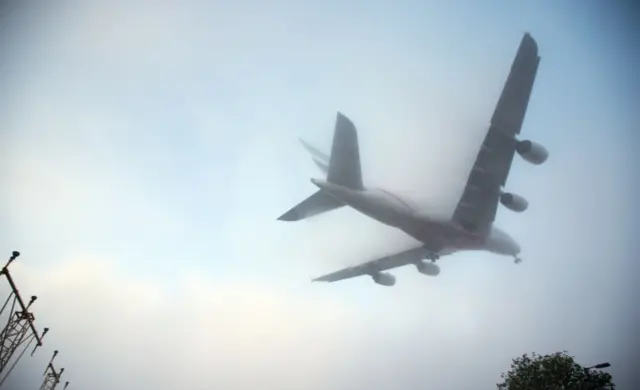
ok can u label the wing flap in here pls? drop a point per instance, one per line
(382, 264)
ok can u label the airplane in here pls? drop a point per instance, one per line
(471, 225)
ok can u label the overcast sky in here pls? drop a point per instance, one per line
(147, 150)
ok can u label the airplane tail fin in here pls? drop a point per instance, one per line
(344, 163)
(342, 168)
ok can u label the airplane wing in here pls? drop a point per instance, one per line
(478, 204)
(382, 264)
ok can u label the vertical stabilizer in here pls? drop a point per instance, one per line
(344, 163)
(342, 168)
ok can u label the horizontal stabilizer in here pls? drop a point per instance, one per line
(342, 168)
(315, 153)
(317, 203)
(319, 158)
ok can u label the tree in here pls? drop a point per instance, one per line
(557, 371)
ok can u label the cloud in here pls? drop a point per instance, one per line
(64, 170)
(200, 334)
(131, 331)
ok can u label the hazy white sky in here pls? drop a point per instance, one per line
(147, 151)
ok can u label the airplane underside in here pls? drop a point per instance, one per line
(471, 226)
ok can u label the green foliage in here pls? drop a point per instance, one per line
(557, 371)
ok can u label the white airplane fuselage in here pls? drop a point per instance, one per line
(391, 210)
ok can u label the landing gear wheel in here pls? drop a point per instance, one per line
(430, 254)
(517, 260)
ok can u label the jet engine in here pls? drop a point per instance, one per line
(428, 268)
(532, 152)
(514, 202)
(384, 278)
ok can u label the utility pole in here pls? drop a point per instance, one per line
(51, 377)
(19, 329)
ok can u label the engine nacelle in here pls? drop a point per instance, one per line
(532, 152)
(384, 279)
(428, 268)
(514, 202)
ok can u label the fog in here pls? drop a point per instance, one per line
(148, 150)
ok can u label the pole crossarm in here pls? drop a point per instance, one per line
(19, 329)
(14, 289)
(51, 376)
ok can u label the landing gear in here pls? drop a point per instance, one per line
(430, 254)
(517, 260)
